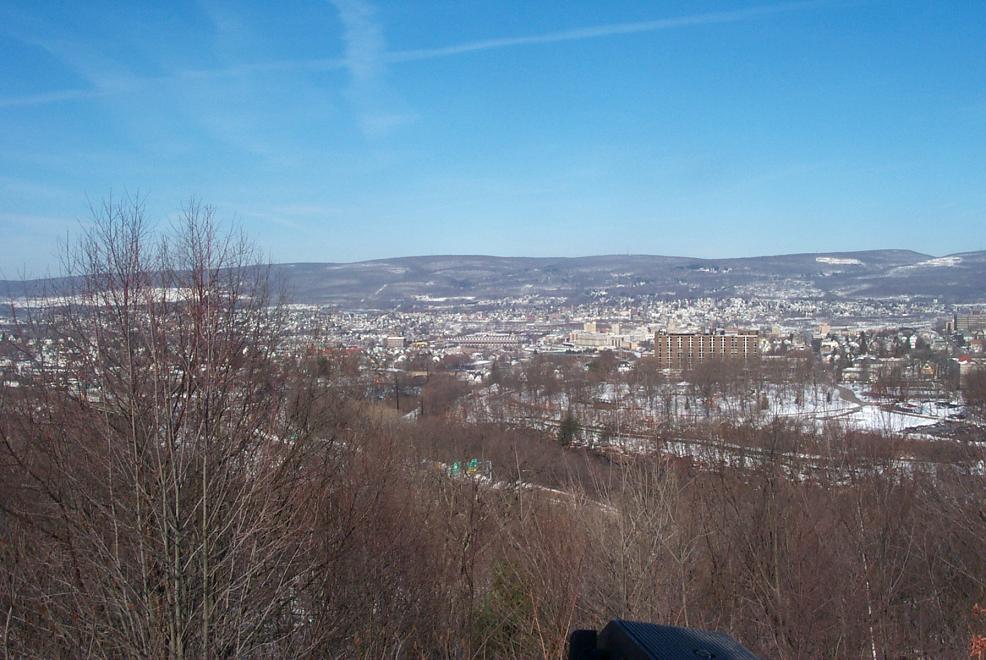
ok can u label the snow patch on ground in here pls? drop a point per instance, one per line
(839, 261)
(619, 407)
(937, 262)
(426, 298)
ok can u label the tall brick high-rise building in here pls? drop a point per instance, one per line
(970, 322)
(681, 350)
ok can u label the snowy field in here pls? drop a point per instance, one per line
(619, 408)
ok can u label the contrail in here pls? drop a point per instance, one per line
(598, 31)
(419, 54)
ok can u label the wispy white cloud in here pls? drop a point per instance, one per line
(57, 96)
(366, 60)
(18, 187)
(275, 66)
(299, 217)
(366, 56)
(101, 76)
(34, 222)
(600, 31)
(363, 39)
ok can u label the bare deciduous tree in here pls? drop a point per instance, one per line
(159, 465)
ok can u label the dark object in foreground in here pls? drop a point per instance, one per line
(646, 641)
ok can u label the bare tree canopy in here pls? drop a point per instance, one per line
(156, 482)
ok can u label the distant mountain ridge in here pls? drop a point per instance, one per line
(466, 279)
(427, 279)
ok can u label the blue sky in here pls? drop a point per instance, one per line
(347, 130)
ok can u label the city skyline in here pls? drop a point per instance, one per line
(353, 130)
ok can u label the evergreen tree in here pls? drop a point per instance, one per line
(569, 429)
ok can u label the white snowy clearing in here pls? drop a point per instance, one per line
(610, 406)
